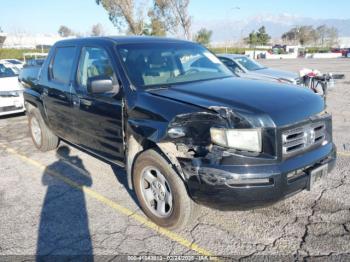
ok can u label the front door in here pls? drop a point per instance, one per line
(98, 117)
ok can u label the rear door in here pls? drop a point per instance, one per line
(57, 92)
(98, 117)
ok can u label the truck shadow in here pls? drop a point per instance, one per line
(64, 226)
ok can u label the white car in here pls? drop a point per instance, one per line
(11, 91)
(15, 63)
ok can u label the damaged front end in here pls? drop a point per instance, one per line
(229, 178)
(189, 145)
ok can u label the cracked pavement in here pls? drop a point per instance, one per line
(41, 214)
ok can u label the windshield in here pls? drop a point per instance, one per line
(7, 72)
(249, 64)
(153, 64)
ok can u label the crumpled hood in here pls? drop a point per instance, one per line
(283, 104)
(275, 73)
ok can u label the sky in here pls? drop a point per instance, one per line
(46, 16)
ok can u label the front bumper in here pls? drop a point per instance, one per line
(11, 105)
(229, 187)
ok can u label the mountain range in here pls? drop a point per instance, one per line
(276, 25)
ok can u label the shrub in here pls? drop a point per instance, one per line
(8, 53)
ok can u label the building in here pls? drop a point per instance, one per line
(22, 40)
(344, 42)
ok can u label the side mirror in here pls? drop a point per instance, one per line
(99, 84)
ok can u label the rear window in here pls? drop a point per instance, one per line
(62, 64)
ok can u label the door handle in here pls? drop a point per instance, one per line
(85, 102)
(77, 101)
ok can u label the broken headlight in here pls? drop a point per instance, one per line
(241, 139)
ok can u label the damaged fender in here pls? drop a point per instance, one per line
(185, 137)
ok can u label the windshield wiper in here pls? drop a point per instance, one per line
(158, 87)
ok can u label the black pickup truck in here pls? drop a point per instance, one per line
(184, 127)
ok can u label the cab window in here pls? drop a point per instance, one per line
(94, 62)
(62, 64)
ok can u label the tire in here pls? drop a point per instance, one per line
(181, 210)
(37, 127)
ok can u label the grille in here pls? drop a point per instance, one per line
(302, 138)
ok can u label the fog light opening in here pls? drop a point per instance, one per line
(250, 182)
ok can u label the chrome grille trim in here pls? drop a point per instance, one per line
(302, 138)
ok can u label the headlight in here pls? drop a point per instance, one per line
(242, 139)
(9, 93)
(14, 93)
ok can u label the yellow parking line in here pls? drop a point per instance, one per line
(108, 202)
(343, 154)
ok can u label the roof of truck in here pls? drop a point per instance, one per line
(124, 39)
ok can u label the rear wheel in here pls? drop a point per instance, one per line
(161, 192)
(42, 137)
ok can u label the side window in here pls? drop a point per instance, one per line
(62, 64)
(231, 65)
(94, 62)
(228, 62)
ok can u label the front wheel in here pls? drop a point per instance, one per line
(161, 192)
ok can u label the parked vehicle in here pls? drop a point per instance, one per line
(15, 68)
(13, 62)
(33, 56)
(11, 92)
(246, 67)
(34, 62)
(186, 133)
(30, 72)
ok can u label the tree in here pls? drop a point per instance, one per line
(203, 36)
(332, 36)
(164, 16)
(307, 35)
(302, 35)
(291, 36)
(322, 34)
(65, 31)
(126, 13)
(1, 30)
(252, 39)
(97, 30)
(263, 38)
(174, 15)
(157, 26)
